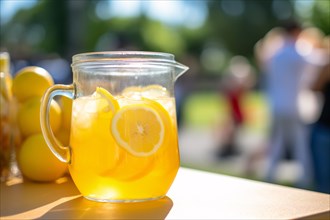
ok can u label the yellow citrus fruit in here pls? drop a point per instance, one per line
(130, 167)
(5, 77)
(140, 128)
(4, 62)
(31, 81)
(37, 162)
(112, 104)
(5, 83)
(28, 116)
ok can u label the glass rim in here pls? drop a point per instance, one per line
(123, 56)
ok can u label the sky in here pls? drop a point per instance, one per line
(192, 14)
(9, 7)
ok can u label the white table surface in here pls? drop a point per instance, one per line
(193, 195)
(202, 195)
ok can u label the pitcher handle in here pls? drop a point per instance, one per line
(63, 153)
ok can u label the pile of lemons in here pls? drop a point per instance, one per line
(35, 159)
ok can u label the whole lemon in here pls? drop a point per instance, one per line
(28, 116)
(37, 162)
(31, 81)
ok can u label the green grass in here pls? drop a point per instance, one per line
(206, 109)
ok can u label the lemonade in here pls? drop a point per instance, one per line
(124, 147)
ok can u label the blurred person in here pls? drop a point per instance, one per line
(311, 47)
(284, 71)
(320, 134)
(238, 80)
(266, 47)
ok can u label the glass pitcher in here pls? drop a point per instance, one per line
(124, 139)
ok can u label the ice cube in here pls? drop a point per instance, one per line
(154, 91)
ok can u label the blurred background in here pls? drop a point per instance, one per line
(221, 100)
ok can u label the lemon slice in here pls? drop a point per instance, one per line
(112, 104)
(140, 128)
(130, 167)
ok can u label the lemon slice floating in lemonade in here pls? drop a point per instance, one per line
(140, 128)
(112, 104)
(94, 121)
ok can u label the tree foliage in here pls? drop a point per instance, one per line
(70, 27)
(321, 15)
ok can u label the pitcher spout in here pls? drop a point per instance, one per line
(179, 69)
